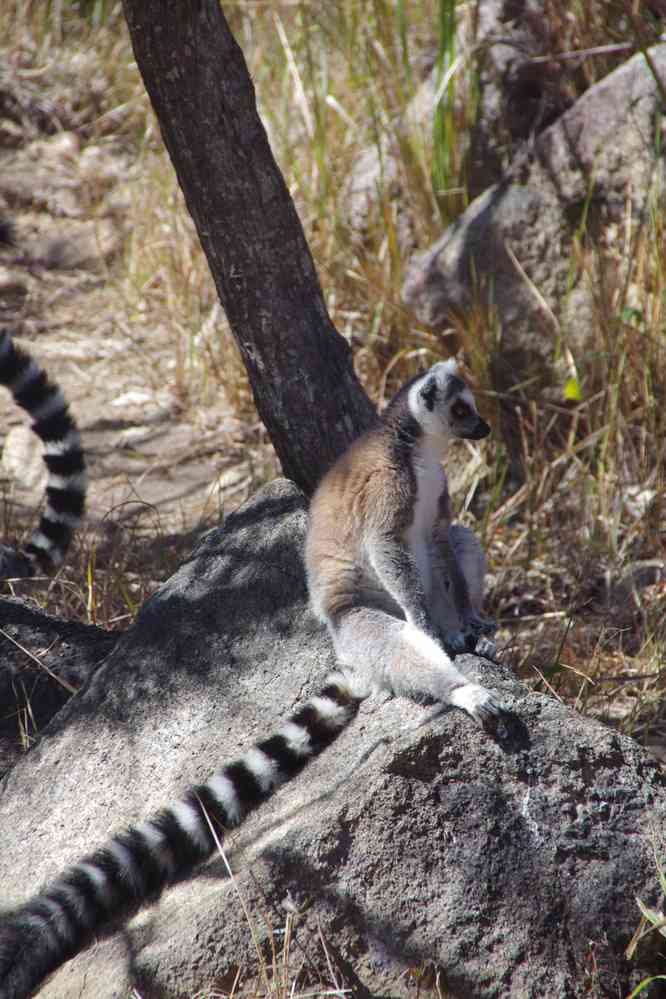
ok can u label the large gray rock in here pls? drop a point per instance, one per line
(519, 92)
(512, 248)
(508, 867)
(515, 97)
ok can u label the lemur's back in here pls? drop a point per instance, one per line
(366, 494)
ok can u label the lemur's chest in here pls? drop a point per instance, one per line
(430, 484)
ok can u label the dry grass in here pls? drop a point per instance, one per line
(333, 80)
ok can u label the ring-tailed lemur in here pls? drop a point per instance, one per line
(388, 573)
(63, 456)
(390, 577)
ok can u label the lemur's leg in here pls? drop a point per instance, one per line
(398, 572)
(386, 652)
(459, 566)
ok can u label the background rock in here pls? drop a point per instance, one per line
(512, 249)
(515, 99)
(510, 867)
(520, 94)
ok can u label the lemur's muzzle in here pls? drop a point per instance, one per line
(480, 431)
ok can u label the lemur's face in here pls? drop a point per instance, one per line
(444, 406)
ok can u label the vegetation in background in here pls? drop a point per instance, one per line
(332, 80)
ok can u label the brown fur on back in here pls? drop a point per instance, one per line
(366, 490)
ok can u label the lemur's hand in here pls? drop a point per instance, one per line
(476, 626)
(473, 637)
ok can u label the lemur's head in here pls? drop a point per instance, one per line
(443, 405)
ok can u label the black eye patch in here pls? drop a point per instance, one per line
(429, 393)
(460, 410)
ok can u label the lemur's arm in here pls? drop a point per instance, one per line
(448, 560)
(451, 588)
(398, 573)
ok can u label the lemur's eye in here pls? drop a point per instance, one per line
(460, 410)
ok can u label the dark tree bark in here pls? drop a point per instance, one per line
(299, 366)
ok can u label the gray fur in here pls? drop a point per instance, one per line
(455, 386)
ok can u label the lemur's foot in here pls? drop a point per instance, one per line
(474, 637)
(480, 626)
(481, 704)
(455, 642)
(478, 632)
(486, 648)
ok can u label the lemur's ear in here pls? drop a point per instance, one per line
(428, 392)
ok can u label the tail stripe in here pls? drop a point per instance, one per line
(138, 864)
(296, 739)
(210, 811)
(65, 464)
(81, 881)
(5, 352)
(127, 870)
(68, 443)
(60, 516)
(338, 690)
(42, 547)
(247, 786)
(77, 483)
(263, 769)
(120, 882)
(156, 842)
(13, 362)
(30, 384)
(148, 862)
(68, 919)
(37, 395)
(50, 914)
(56, 427)
(225, 798)
(188, 814)
(98, 881)
(320, 730)
(51, 406)
(186, 852)
(56, 533)
(288, 759)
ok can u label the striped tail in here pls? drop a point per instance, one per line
(63, 456)
(137, 865)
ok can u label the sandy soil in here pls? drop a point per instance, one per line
(150, 458)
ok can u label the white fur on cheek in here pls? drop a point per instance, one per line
(414, 403)
(433, 422)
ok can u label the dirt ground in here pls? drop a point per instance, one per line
(163, 466)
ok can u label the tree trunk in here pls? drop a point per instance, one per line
(299, 367)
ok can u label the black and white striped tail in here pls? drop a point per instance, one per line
(137, 865)
(63, 456)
